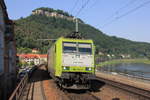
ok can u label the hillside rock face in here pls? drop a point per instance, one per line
(52, 14)
(44, 23)
(49, 12)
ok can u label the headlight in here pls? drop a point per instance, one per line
(88, 68)
(66, 68)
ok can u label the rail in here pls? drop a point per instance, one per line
(130, 86)
(18, 91)
(140, 78)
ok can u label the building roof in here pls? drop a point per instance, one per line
(32, 55)
(43, 55)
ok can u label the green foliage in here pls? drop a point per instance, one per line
(34, 27)
(26, 64)
(119, 61)
(19, 64)
(23, 50)
(32, 63)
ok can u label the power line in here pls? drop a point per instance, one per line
(91, 6)
(71, 11)
(121, 8)
(83, 6)
(127, 13)
(126, 5)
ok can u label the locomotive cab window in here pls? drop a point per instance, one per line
(85, 48)
(69, 47)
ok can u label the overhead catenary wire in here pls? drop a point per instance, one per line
(117, 12)
(126, 5)
(92, 5)
(82, 7)
(125, 14)
(74, 6)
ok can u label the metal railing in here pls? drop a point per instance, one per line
(19, 89)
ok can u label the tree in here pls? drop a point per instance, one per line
(33, 27)
(32, 63)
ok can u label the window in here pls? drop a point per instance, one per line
(74, 47)
(69, 47)
(85, 48)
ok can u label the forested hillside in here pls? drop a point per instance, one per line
(34, 27)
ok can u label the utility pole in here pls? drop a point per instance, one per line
(77, 29)
(76, 33)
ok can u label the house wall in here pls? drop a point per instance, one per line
(36, 58)
(12, 57)
(7, 54)
(43, 60)
(2, 29)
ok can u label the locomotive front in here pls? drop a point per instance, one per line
(77, 64)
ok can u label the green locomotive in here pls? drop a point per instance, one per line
(71, 62)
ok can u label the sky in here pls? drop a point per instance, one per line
(128, 19)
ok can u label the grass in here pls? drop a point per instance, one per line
(113, 62)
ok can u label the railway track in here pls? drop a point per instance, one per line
(42, 91)
(35, 90)
(42, 87)
(70, 94)
(131, 88)
(134, 90)
(80, 95)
